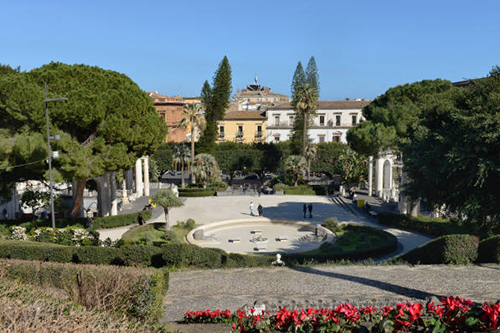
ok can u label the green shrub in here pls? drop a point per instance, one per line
(98, 255)
(279, 187)
(489, 250)
(190, 224)
(431, 226)
(136, 293)
(449, 249)
(203, 193)
(332, 224)
(36, 251)
(299, 190)
(219, 186)
(138, 255)
(323, 189)
(171, 237)
(119, 220)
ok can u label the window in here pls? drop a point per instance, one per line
(240, 131)
(259, 131)
(337, 120)
(321, 138)
(276, 120)
(290, 120)
(221, 131)
(354, 118)
(321, 120)
(276, 138)
(336, 138)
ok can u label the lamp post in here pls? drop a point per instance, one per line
(47, 100)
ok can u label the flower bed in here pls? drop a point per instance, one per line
(453, 314)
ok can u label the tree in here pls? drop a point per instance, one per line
(306, 103)
(106, 124)
(206, 168)
(6, 69)
(312, 76)
(233, 157)
(181, 158)
(163, 157)
(35, 200)
(194, 120)
(167, 199)
(327, 156)
(215, 99)
(352, 167)
(310, 155)
(296, 164)
(299, 79)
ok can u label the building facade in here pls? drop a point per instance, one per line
(170, 109)
(242, 126)
(331, 123)
(256, 97)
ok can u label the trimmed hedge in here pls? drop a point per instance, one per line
(323, 189)
(198, 194)
(119, 220)
(177, 255)
(449, 249)
(299, 190)
(431, 226)
(136, 293)
(388, 245)
(489, 250)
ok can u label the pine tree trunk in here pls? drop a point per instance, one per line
(77, 198)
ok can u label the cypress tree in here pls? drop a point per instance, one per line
(215, 100)
(312, 77)
(299, 79)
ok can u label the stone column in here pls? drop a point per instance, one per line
(124, 189)
(379, 176)
(139, 186)
(370, 176)
(113, 198)
(146, 175)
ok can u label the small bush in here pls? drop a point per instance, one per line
(36, 251)
(204, 193)
(332, 224)
(489, 250)
(449, 249)
(323, 189)
(279, 187)
(190, 224)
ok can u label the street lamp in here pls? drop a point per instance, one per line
(57, 137)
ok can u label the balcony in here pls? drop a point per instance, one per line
(239, 134)
(221, 135)
(281, 124)
(258, 134)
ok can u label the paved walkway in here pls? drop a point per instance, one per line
(325, 286)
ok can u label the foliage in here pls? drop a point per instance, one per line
(215, 99)
(279, 187)
(489, 250)
(181, 159)
(149, 234)
(105, 125)
(235, 157)
(300, 190)
(135, 293)
(430, 226)
(163, 156)
(167, 199)
(194, 119)
(206, 168)
(35, 200)
(305, 102)
(449, 249)
(332, 224)
(296, 164)
(352, 167)
(107, 222)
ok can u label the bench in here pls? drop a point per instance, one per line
(261, 247)
(235, 239)
(255, 232)
(282, 238)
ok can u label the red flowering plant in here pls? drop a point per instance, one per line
(207, 316)
(400, 318)
(454, 313)
(252, 323)
(490, 317)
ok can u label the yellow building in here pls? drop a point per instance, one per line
(243, 126)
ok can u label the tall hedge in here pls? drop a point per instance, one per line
(138, 293)
(489, 250)
(449, 249)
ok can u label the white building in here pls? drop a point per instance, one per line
(331, 123)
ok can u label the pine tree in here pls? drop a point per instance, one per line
(312, 77)
(215, 100)
(299, 79)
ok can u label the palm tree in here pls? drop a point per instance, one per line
(311, 152)
(181, 158)
(166, 199)
(296, 164)
(306, 102)
(194, 119)
(205, 168)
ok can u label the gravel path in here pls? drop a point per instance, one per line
(325, 286)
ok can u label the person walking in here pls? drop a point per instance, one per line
(140, 219)
(310, 210)
(260, 210)
(304, 209)
(251, 208)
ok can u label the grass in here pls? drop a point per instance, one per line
(146, 234)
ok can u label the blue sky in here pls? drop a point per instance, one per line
(362, 48)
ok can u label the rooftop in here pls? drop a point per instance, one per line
(346, 104)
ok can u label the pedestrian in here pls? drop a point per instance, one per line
(260, 210)
(304, 209)
(251, 208)
(140, 219)
(310, 210)
(90, 222)
(259, 189)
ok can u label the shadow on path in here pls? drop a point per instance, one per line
(403, 291)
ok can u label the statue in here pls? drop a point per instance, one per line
(255, 80)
